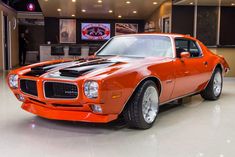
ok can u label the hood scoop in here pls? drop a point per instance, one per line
(40, 70)
(77, 71)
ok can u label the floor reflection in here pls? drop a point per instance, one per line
(195, 128)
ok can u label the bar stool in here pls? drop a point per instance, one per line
(75, 51)
(57, 51)
(93, 50)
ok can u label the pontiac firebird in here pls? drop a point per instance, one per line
(130, 76)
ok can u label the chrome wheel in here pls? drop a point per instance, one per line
(150, 104)
(217, 84)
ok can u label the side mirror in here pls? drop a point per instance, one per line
(184, 55)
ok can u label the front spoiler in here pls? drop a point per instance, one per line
(67, 114)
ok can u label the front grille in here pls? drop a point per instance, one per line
(29, 87)
(60, 90)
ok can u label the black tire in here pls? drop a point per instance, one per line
(133, 114)
(208, 93)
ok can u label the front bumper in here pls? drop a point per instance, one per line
(70, 115)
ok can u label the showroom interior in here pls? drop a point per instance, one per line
(195, 128)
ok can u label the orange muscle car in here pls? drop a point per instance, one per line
(131, 75)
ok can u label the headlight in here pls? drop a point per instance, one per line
(13, 81)
(91, 89)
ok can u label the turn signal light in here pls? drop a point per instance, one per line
(96, 108)
(20, 97)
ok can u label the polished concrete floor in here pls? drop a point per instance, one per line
(196, 129)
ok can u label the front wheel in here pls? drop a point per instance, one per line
(142, 109)
(214, 87)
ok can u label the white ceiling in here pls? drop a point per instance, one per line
(97, 10)
(204, 2)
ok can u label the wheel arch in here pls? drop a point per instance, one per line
(220, 66)
(217, 65)
(156, 80)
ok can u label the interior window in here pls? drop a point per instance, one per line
(185, 45)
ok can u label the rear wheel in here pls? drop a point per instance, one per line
(214, 87)
(142, 109)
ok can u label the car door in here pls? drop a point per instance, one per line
(190, 73)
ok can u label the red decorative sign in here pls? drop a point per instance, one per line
(95, 31)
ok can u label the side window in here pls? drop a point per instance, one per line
(194, 50)
(181, 46)
(185, 45)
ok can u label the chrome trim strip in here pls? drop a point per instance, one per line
(44, 94)
(187, 95)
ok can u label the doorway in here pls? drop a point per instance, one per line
(166, 25)
(6, 55)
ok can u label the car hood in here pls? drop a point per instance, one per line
(95, 66)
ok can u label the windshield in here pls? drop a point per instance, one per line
(138, 46)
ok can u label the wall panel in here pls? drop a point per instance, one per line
(52, 28)
(183, 19)
(207, 24)
(227, 27)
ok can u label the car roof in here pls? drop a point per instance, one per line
(162, 34)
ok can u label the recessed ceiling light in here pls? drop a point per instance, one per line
(99, 1)
(128, 2)
(134, 12)
(191, 3)
(154, 3)
(233, 4)
(73, 15)
(83, 10)
(58, 9)
(119, 16)
(73, 0)
(110, 11)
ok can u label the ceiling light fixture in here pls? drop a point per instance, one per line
(99, 1)
(154, 3)
(191, 3)
(134, 12)
(73, 15)
(59, 10)
(119, 16)
(30, 7)
(128, 2)
(233, 4)
(110, 11)
(83, 10)
(73, 0)
(46, 0)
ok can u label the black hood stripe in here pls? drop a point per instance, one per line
(40, 70)
(84, 69)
